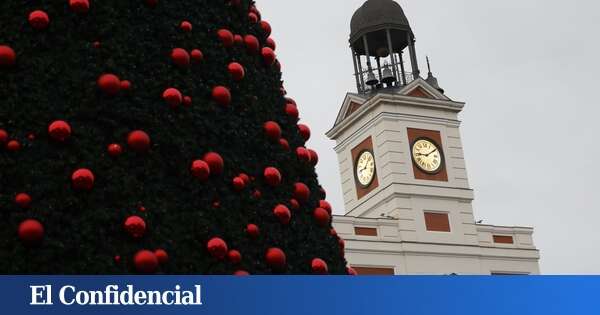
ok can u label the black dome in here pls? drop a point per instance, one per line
(375, 15)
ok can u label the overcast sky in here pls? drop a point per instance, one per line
(527, 70)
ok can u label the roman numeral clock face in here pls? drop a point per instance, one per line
(365, 168)
(427, 156)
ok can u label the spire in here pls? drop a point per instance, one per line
(428, 66)
(431, 79)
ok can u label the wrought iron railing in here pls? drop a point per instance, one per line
(401, 79)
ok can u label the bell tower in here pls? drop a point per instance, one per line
(398, 139)
(404, 178)
(379, 37)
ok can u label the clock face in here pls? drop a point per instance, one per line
(365, 168)
(427, 155)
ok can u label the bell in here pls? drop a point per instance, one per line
(371, 79)
(382, 52)
(388, 77)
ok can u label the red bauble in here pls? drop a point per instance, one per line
(303, 154)
(79, 6)
(292, 110)
(234, 257)
(187, 101)
(272, 130)
(314, 157)
(268, 56)
(301, 192)
(238, 184)
(226, 37)
(115, 149)
(322, 216)
(333, 232)
(13, 146)
(266, 27)
(241, 273)
(252, 17)
(82, 179)
(284, 144)
(275, 258)
(217, 248)
(325, 205)
(319, 266)
(282, 213)
(252, 230)
(8, 57)
(236, 70)
(294, 204)
(31, 231)
(252, 44)
(351, 271)
(161, 256)
(200, 170)
(125, 85)
(180, 57)
(197, 55)
(135, 226)
(221, 95)
(59, 130)
(145, 261)
(39, 19)
(271, 43)
(272, 176)
(245, 178)
(304, 131)
(185, 26)
(23, 200)
(256, 194)
(3, 136)
(215, 162)
(238, 40)
(109, 84)
(138, 141)
(291, 100)
(173, 97)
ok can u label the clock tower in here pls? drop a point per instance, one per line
(405, 186)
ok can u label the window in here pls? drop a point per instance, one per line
(503, 239)
(437, 222)
(365, 231)
(365, 271)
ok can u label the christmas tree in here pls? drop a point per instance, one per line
(153, 136)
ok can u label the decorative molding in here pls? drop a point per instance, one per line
(343, 122)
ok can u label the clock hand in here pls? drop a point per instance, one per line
(431, 152)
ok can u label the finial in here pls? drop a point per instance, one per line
(428, 65)
(431, 79)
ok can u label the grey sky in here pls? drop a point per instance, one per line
(527, 70)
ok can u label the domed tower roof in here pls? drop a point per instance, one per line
(374, 15)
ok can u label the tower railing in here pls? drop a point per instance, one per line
(379, 74)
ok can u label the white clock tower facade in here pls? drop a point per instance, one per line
(406, 192)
